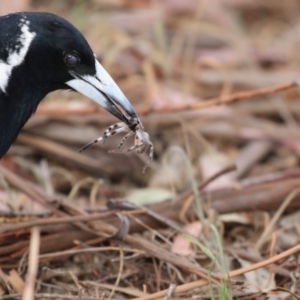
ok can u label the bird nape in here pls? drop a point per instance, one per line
(41, 53)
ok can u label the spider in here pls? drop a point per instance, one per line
(141, 142)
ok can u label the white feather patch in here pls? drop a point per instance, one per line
(16, 54)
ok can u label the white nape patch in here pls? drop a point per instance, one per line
(16, 54)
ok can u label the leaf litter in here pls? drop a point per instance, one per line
(168, 57)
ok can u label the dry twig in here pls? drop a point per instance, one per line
(32, 265)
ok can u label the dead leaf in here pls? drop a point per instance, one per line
(16, 281)
(181, 245)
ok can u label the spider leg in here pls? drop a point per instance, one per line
(127, 150)
(145, 142)
(142, 142)
(90, 144)
(115, 126)
(113, 129)
(150, 157)
(141, 148)
(130, 133)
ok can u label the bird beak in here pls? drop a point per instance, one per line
(102, 89)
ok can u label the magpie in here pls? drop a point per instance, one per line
(39, 53)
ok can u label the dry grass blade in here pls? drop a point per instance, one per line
(267, 232)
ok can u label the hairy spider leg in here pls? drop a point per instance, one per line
(143, 137)
(137, 146)
(113, 129)
(108, 132)
(145, 143)
(150, 158)
(125, 138)
(90, 144)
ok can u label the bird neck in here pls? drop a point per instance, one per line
(15, 110)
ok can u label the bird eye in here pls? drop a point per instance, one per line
(71, 60)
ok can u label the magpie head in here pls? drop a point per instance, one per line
(44, 52)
